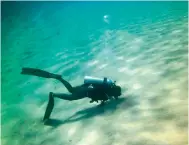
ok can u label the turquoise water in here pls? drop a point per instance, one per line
(141, 45)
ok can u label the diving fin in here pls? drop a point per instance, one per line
(39, 73)
(49, 108)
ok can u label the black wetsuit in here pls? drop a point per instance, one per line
(95, 92)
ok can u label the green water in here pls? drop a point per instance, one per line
(141, 45)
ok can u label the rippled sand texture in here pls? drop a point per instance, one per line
(144, 50)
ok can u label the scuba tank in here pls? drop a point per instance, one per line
(97, 81)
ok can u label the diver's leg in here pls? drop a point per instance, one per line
(66, 84)
(63, 96)
(49, 108)
(45, 74)
(69, 97)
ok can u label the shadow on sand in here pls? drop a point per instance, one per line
(110, 106)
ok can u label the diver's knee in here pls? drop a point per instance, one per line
(51, 94)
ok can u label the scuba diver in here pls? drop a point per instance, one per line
(94, 88)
